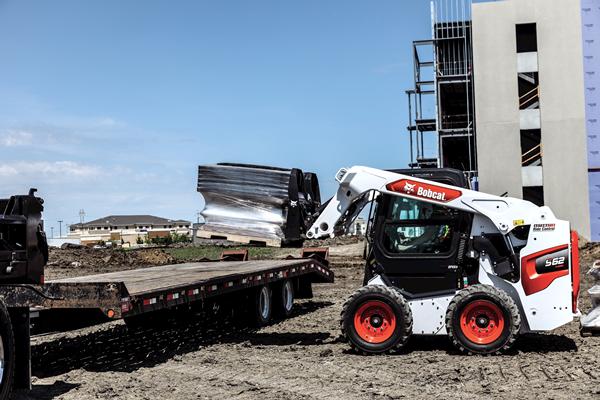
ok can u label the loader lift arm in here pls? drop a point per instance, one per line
(359, 185)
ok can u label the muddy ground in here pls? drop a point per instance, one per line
(303, 358)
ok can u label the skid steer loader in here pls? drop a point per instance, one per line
(447, 260)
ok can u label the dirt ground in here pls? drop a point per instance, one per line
(303, 358)
(64, 263)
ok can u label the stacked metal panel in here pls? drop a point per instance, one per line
(590, 18)
(256, 201)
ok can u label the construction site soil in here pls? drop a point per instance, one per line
(299, 358)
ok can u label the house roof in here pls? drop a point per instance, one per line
(132, 220)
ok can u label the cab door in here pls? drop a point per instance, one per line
(417, 244)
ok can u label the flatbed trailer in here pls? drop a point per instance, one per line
(133, 294)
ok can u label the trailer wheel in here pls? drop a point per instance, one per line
(376, 319)
(283, 299)
(263, 306)
(482, 319)
(7, 353)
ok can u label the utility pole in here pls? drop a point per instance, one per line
(52, 232)
(60, 221)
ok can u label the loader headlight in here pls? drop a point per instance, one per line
(340, 175)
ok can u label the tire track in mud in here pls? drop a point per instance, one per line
(525, 373)
(263, 381)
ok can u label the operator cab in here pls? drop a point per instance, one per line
(420, 246)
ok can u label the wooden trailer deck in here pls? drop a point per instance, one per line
(139, 282)
(131, 292)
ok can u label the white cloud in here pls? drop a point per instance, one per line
(16, 138)
(8, 170)
(62, 134)
(66, 169)
(107, 121)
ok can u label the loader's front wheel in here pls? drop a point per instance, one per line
(482, 319)
(376, 319)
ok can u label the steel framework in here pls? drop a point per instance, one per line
(450, 85)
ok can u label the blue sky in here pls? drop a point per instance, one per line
(110, 106)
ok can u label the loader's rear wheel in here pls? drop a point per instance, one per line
(283, 299)
(482, 319)
(263, 306)
(376, 319)
(7, 353)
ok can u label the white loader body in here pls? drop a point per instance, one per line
(547, 290)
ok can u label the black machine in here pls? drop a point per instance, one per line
(23, 246)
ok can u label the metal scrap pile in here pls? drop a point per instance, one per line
(261, 204)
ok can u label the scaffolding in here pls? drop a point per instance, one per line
(449, 85)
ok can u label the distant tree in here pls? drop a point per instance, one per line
(180, 238)
(162, 241)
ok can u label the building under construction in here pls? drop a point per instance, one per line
(443, 75)
(510, 87)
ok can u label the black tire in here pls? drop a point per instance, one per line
(494, 305)
(384, 300)
(7, 351)
(283, 299)
(263, 305)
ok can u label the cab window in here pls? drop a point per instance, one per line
(418, 227)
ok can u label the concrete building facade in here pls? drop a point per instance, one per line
(529, 104)
(516, 106)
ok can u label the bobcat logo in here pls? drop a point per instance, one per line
(409, 188)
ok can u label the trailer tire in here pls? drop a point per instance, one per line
(7, 353)
(482, 319)
(376, 319)
(263, 305)
(283, 299)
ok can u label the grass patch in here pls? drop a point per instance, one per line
(214, 252)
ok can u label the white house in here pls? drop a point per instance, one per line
(127, 229)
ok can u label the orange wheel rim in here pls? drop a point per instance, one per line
(482, 322)
(375, 321)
